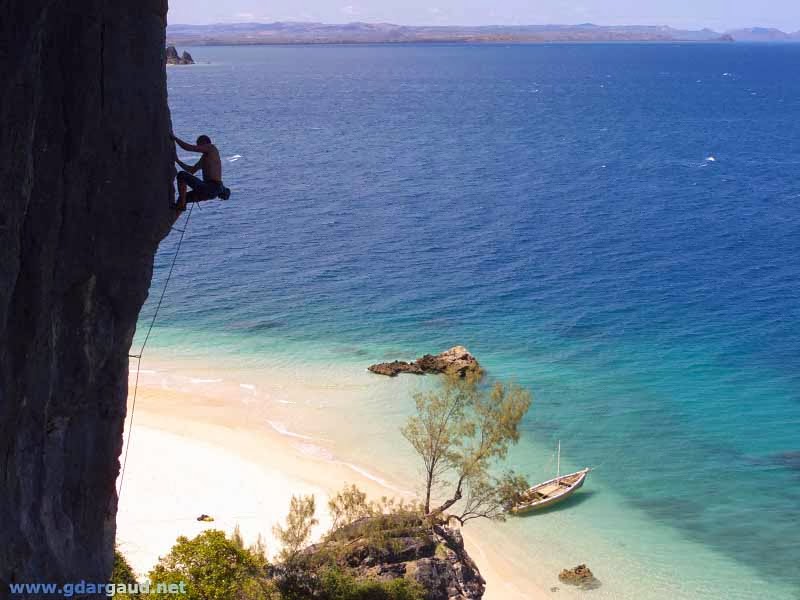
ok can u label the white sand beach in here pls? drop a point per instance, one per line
(194, 453)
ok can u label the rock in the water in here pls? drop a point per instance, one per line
(87, 168)
(581, 576)
(394, 368)
(455, 360)
(173, 58)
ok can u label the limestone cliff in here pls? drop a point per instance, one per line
(86, 172)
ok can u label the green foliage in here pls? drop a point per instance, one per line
(122, 573)
(302, 581)
(236, 537)
(259, 549)
(490, 497)
(460, 432)
(349, 506)
(337, 585)
(434, 432)
(297, 531)
(213, 568)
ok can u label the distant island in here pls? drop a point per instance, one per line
(364, 33)
(173, 58)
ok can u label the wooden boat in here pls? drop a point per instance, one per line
(550, 492)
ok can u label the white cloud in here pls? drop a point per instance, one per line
(349, 9)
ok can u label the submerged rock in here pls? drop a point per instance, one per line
(173, 58)
(455, 360)
(581, 576)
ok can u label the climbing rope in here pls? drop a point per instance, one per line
(138, 356)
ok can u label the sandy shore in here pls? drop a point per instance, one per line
(192, 454)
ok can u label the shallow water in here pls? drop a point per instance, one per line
(554, 209)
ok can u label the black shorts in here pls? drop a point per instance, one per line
(201, 190)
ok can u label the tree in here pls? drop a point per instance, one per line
(489, 497)
(461, 431)
(436, 429)
(299, 523)
(211, 567)
(259, 549)
(122, 574)
(348, 506)
(236, 537)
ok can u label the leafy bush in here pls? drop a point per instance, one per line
(337, 585)
(122, 574)
(297, 531)
(213, 567)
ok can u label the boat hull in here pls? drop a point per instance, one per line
(548, 502)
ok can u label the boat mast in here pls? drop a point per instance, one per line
(558, 462)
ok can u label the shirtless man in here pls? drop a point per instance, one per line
(210, 164)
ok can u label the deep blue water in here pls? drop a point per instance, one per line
(554, 208)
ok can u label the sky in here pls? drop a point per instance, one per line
(690, 14)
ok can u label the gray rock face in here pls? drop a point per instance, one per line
(86, 171)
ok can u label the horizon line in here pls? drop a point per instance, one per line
(552, 24)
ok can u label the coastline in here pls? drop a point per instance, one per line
(236, 436)
(192, 454)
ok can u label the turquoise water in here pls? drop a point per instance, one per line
(557, 210)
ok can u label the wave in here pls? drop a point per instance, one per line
(364, 473)
(316, 452)
(281, 428)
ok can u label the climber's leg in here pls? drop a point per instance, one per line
(185, 181)
(181, 206)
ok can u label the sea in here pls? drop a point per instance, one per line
(614, 227)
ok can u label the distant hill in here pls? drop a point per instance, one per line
(764, 34)
(321, 33)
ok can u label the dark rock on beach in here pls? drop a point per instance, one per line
(174, 59)
(456, 360)
(581, 576)
(86, 166)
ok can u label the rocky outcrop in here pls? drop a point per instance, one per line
(173, 58)
(392, 547)
(86, 166)
(580, 576)
(456, 360)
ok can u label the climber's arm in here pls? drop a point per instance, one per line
(191, 169)
(190, 147)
